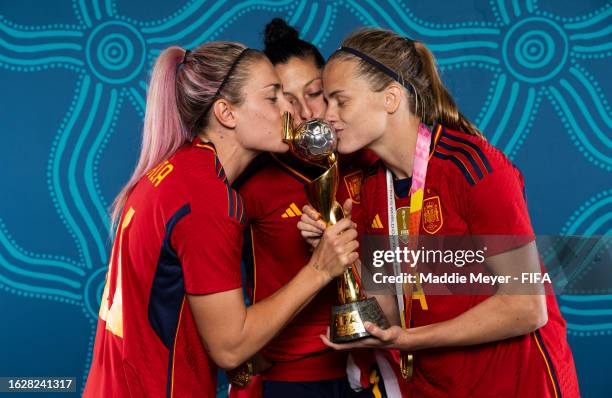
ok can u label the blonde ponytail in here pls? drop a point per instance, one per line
(444, 110)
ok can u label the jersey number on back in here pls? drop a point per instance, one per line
(111, 307)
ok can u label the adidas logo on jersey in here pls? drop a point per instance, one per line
(376, 223)
(292, 211)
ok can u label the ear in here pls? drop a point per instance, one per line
(393, 97)
(225, 113)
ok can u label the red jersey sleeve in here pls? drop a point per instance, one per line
(208, 243)
(497, 206)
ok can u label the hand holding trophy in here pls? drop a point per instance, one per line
(314, 142)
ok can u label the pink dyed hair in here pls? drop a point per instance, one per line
(178, 94)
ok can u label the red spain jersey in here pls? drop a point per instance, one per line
(274, 195)
(180, 233)
(471, 188)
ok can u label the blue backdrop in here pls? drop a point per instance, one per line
(533, 75)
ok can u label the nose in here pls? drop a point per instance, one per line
(331, 114)
(305, 111)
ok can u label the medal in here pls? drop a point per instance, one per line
(404, 291)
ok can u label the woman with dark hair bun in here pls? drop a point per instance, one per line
(298, 64)
(302, 366)
(283, 43)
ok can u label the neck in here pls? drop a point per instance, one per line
(233, 157)
(397, 146)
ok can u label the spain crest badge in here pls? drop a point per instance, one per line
(353, 185)
(432, 215)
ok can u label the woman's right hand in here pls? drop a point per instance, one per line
(337, 248)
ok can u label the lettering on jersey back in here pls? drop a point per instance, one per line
(157, 174)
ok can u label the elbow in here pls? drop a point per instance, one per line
(537, 313)
(226, 359)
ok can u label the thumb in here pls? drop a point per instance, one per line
(347, 208)
(376, 331)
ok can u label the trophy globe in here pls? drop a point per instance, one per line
(317, 140)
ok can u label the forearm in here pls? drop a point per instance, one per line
(496, 318)
(263, 320)
(504, 315)
(232, 333)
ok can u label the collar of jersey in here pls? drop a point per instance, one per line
(436, 132)
(198, 143)
(402, 186)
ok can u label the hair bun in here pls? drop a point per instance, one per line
(278, 33)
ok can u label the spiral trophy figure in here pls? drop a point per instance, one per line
(314, 142)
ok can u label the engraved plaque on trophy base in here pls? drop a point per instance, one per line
(347, 320)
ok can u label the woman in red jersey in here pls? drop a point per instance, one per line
(385, 94)
(172, 308)
(274, 193)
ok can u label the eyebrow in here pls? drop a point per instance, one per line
(335, 93)
(276, 86)
(316, 78)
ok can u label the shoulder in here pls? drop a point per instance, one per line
(468, 158)
(203, 184)
(218, 200)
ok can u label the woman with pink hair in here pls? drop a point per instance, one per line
(173, 308)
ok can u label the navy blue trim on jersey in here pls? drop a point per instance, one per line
(248, 262)
(168, 292)
(235, 206)
(457, 163)
(242, 213)
(238, 206)
(217, 166)
(230, 202)
(435, 137)
(467, 154)
(168, 286)
(219, 170)
(538, 336)
(237, 216)
(475, 147)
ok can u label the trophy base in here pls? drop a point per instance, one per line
(347, 320)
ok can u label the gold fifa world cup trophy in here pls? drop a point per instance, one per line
(314, 142)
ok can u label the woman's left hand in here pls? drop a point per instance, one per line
(381, 338)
